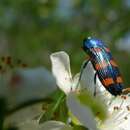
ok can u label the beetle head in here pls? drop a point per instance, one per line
(90, 43)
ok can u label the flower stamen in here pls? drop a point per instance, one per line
(123, 97)
(126, 118)
(128, 108)
(116, 108)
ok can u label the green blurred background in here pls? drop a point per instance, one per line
(33, 29)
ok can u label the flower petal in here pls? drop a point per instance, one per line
(120, 102)
(28, 84)
(54, 125)
(29, 125)
(81, 112)
(24, 115)
(49, 125)
(61, 70)
(119, 120)
(75, 82)
(119, 114)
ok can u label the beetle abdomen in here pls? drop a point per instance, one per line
(107, 70)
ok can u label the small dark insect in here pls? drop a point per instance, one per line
(105, 66)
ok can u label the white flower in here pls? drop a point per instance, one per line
(49, 125)
(24, 115)
(28, 85)
(61, 71)
(118, 107)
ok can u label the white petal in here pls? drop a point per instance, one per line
(30, 125)
(81, 112)
(125, 125)
(119, 114)
(24, 115)
(119, 120)
(119, 102)
(75, 82)
(54, 125)
(49, 125)
(110, 127)
(61, 70)
(27, 84)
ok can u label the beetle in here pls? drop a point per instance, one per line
(104, 64)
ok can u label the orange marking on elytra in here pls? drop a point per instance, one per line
(98, 66)
(101, 65)
(108, 81)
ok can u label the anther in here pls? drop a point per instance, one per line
(123, 97)
(128, 108)
(125, 117)
(116, 108)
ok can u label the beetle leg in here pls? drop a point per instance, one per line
(81, 71)
(95, 77)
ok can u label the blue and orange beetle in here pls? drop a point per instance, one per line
(104, 65)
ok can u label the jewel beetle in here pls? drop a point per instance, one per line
(104, 64)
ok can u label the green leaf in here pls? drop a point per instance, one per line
(56, 94)
(54, 107)
(62, 112)
(48, 114)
